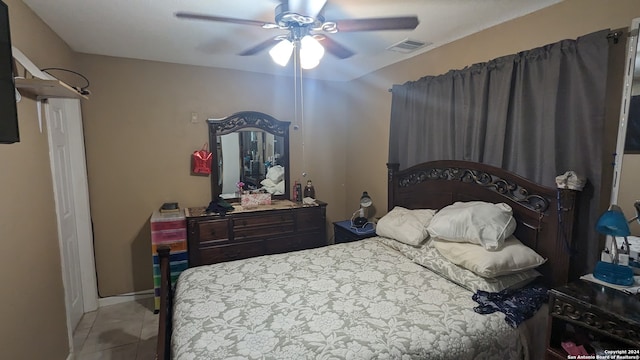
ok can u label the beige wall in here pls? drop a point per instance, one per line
(568, 19)
(32, 310)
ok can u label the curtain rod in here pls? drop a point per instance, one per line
(615, 35)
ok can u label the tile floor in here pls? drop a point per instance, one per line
(125, 331)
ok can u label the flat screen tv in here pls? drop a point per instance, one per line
(8, 110)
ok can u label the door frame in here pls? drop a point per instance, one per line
(78, 176)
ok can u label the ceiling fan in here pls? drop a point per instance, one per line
(307, 30)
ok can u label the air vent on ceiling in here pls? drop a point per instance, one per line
(408, 45)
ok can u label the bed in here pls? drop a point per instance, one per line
(376, 298)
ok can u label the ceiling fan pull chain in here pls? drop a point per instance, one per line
(302, 125)
(296, 124)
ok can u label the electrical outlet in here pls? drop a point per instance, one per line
(194, 117)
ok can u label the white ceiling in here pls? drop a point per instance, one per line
(148, 29)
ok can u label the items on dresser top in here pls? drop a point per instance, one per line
(169, 207)
(281, 226)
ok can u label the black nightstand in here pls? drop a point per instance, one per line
(583, 312)
(344, 232)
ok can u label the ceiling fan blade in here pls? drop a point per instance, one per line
(194, 16)
(260, 47)
(389, 23)
(335, 48)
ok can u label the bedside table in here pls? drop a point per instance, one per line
(596, 313)
(343, 232)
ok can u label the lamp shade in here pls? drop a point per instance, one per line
(365, 200)
(361, 220)
(613, 223)
(281, 52)
(310, 52)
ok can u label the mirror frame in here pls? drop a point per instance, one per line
(247, 120)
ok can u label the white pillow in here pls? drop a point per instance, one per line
(431, 259)
(475, 222)
(275, 173)
(404, 225)
(273, 188)
(514, 257)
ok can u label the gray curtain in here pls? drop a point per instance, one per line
(538, 113)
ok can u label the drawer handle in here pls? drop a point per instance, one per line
(212, 232)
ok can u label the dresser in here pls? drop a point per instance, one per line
(280, 227)
(587, 314)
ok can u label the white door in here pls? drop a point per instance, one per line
(71, 191)
(60, 114)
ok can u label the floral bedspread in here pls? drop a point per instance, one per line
(359, 300)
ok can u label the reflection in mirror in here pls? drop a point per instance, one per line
(250, 148)
(626, 190)
(253, 157)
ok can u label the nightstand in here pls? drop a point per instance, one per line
(343, 232)
(584, 312)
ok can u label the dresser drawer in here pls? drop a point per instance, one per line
(213, 230)
(261, 232)
(221, 253)
(293, 243)
(310, 219)
(262, 226)
(284, 219)
(214, 238)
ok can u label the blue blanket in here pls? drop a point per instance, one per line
(517, 305)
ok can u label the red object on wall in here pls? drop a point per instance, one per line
(201, 161)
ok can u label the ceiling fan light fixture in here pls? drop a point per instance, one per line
(281, 52)
(310, 52)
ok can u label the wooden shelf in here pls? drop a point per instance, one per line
(39, 88)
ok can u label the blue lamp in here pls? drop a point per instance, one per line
(614, 224)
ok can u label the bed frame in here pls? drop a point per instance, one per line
(545, 216)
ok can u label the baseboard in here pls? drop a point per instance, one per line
(122, 298)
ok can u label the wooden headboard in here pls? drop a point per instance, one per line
(545, 216)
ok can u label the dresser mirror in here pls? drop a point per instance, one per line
(252, 148)
(627, 168)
